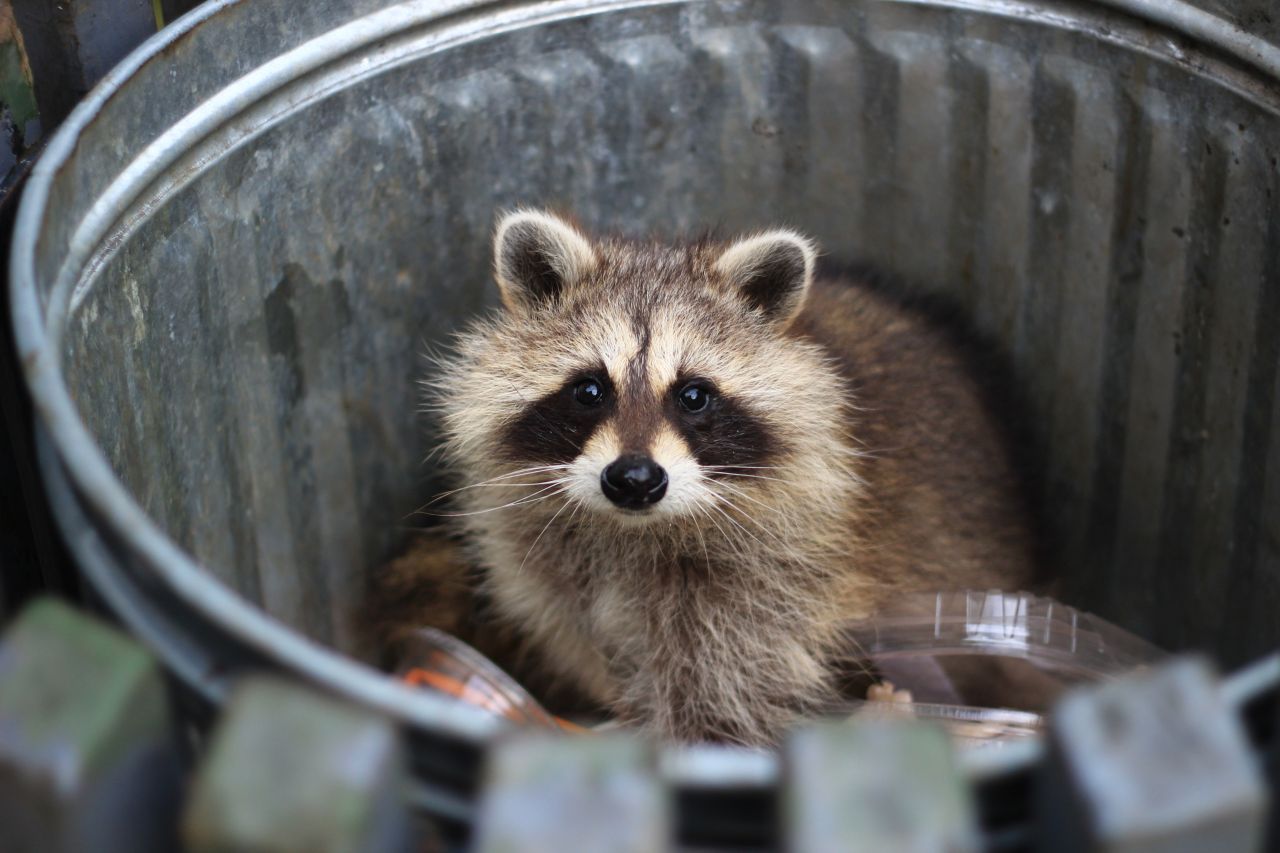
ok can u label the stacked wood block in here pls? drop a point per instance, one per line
(87, 756)
(290, 771)
(1156, 762)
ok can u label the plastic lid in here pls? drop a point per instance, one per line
(1045, 632)
(988, 665)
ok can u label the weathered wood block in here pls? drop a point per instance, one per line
(87, 756)
(550, 793)
(292, 771)
(875, 785)
(1155, 763)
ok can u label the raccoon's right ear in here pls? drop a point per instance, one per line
(771, 272)
(536, 256)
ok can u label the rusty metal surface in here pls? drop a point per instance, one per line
(233, 254)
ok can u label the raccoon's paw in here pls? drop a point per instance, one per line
(886, 692)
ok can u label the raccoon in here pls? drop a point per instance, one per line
(682, 467)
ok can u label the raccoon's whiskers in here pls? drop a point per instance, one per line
(743, 494)
(550, 521)
(702, 540)
(726, 540)
(787, 521)
(715, 473)
(545, 493)
(787, 548)
(520, 485)
(705, 513)
(731, 520)
(511, 475)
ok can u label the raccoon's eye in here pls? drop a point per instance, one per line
(589, 392)
(694, 397)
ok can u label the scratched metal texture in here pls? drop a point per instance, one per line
(234, 257)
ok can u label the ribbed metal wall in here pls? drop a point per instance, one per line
(1098, 195)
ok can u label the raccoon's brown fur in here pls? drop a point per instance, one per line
(845, 455)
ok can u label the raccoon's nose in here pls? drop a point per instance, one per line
(634, 481)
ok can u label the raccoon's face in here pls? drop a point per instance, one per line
(643, 383)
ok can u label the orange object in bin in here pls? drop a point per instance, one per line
(441, 662)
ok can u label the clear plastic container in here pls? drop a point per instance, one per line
(986, 665)
(441, 662)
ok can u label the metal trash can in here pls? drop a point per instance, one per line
(230, 258)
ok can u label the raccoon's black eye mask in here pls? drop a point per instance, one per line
(556, 427)
(720, 431)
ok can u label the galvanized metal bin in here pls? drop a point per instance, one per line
(230, 258)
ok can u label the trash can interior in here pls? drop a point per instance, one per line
(280, 236)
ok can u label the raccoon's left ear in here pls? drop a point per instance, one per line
(536, 256)
(771, 272)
